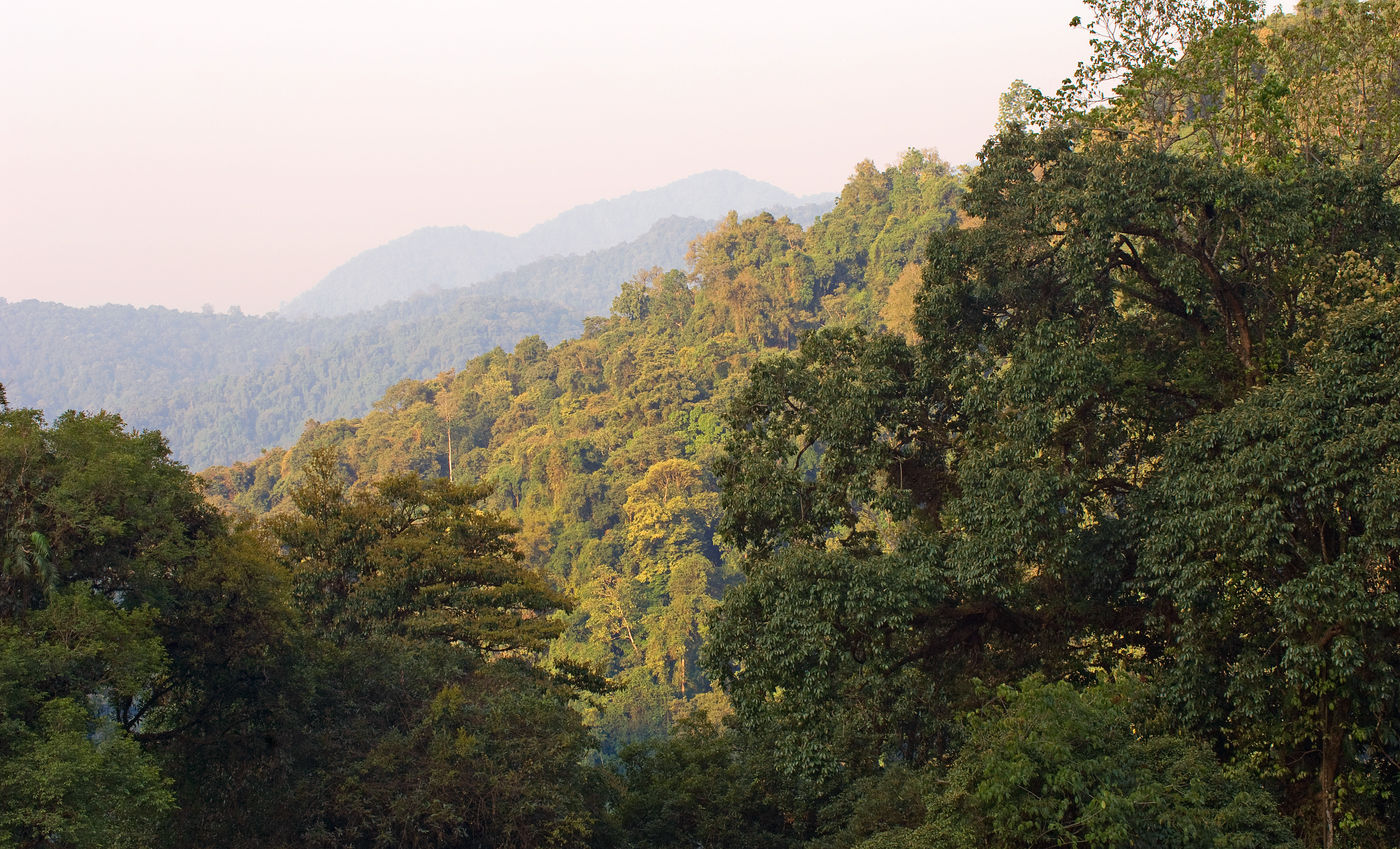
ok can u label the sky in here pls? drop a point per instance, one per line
(185, 153)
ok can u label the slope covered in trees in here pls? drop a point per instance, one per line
(227, 386)
(224, 387)
(600, 447)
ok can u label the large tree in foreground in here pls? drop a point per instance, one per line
(921, 519)
(1273, 542)
(426, 720)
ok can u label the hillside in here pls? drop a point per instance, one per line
(224, 387)
(600, 446)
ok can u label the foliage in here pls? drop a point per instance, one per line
(168, 677)
(1011, 487)
(598, 447)
(700, 786)
(411, 558)
(70, 774)
(1047, 765)
(1273, 538)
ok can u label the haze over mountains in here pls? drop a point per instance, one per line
(453, 257)
(224, 387)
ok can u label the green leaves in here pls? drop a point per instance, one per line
(412, 558)
(830, 441)
(69, 772)
(77, 781)
(1048, 765)
(1159, 349)
(826, 654)
(1272, 533)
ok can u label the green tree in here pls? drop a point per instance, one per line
(70, 773)
(1273, 536)
(1046, 765)
(1112, 287)
(411, 558)
(701, 787)
(428, 720)
(140, 633)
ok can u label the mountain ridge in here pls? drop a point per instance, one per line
(447, 257)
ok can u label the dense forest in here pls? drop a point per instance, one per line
(600, 448)
(1051, 503)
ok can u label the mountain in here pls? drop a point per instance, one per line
(223, 387)
(708, 195)
(426, 259)
(455, 257)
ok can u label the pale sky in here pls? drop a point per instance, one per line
(182, 153)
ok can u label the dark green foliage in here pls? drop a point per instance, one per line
(164, 679)
(1046, 765)
(821, 441)
(701, 787)
(1032, 485)
(848, 661)
(103, 536)
(85, 502)
(70, 773)
(1273, 537)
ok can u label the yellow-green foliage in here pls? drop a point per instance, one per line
(600, 447)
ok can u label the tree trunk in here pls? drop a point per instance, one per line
(1327, 778)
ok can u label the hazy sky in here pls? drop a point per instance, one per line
(180, 153)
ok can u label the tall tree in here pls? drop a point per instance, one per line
(1272, 538)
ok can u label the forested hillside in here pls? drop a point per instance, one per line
(224, 387)
(1056, 503)
(601, 446)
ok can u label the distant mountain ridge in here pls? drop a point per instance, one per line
(455, 257)
(222, 387)
(587, 283)
(711, 195)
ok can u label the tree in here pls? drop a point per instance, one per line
(84, 501)
(1047, 765)
(841, 661)
(427, 719)
(1016, 106)
(1272, 538)
(70, 774)
(142, 635)
(701, 787)
(1115, 283)
(411, 558)
(820, 441)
